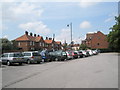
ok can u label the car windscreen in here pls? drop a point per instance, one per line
(36, 54)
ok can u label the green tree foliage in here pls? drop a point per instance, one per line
(5, 44)
(83, 47)
(114, 35)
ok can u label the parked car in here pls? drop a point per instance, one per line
(45, 55)
(90, 52)
(95, 52)
(84, 53)
(13, 57)
(74, 54)
(32, 57)
(58, 55)
(69, 55)
(81, 55)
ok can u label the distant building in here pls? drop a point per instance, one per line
(96, 40)
(76, 46)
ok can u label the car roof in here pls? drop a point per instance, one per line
(12, 53)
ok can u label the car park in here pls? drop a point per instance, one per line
(13, 57)
(32, 57)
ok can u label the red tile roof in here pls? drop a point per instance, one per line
(48, 41)
(37, 39)
(58, 42)
(28, 38)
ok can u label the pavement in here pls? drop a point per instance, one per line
(99, 71)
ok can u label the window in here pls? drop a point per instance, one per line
(18, 43)
(33, 43)
(27, 54)
(5, 55)
(98, 44)
(40, 44)
(11, 55)
(30, 43)
(98, 37)
(43, 44)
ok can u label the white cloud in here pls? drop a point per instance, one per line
(88, 3)
(64, 35)
(23, 10)
(85, 25)
(38, 27)
(109, 19)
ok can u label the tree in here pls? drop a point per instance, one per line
(83, 46)
(14, 45)
(5, 44)
(114, 35)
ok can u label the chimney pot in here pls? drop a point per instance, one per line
(46, 38)
(50, 38)
(26, 32)
(30, 34)
(34, 35)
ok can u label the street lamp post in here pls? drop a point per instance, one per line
(70, 25)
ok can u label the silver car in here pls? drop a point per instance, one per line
(32, 57)
(14, 57)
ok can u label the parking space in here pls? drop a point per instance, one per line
(99, 71)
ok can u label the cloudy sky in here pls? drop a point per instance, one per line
(48, 18)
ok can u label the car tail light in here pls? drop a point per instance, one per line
(73, 54)
(32, 57)
(14, 58)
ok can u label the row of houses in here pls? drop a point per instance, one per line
(28, 42)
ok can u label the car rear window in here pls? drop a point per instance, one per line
(27, 54)
(36, 54)
(75, 53)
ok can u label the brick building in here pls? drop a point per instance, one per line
(35, 42)
(30, 42)
(96, 40)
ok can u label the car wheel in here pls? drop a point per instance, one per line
(8, 63)
(28, 61)
(56, 59)
(43, 60)
(20, 63)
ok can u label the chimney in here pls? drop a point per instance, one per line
(38, 35)
(30, 34)
(50, 38)
(46, 38)
(34, 35)
(26, 32)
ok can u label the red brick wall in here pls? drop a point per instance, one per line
(99, 40)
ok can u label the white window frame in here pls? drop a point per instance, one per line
(19, 43)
